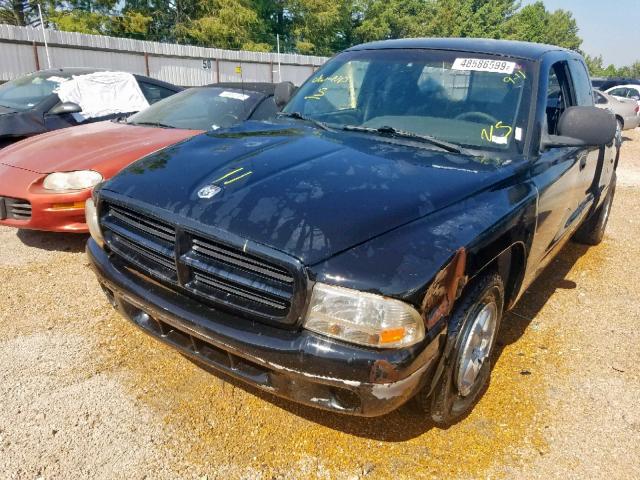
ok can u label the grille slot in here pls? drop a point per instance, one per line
(16, 209)
(236, 290)
(142, 241)
(251, 283)
(246, 262)
(132, 219)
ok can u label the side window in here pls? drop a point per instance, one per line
(599, 98)
(619, 92)
(559, 96)
(581, 83)
(154, 93)
(634, 93)
(266, 110)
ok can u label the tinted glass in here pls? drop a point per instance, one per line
(581, 83)
(634, 93)
(154, 93)
(208, 108)
(266, 110)
(470, 99)
(27, 92)
(599, 98)
(618, 92)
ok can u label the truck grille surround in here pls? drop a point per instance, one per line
(253, 281)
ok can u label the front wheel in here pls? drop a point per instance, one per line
(473, 329)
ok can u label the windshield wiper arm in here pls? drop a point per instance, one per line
(153, 124)
(388, 131)
(299, 116)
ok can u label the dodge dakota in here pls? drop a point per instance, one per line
(361, 250)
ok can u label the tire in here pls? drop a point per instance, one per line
(460, 385)
(591, 232)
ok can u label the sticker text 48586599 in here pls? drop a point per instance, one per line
(484, 65)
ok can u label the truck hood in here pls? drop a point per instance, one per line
(105, 147)
(306, 192)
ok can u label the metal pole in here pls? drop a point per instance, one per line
(44, 34)
(279, 67)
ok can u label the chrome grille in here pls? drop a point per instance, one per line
(263, 286)
(15, 208)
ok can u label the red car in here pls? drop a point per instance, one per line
(45, 180)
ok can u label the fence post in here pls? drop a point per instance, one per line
(35, 55)
(146, 64)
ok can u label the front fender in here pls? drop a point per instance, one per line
(404, 262)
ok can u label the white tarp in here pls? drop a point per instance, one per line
(103, 93)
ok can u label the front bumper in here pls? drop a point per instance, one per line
(46, 210)
(295, 364)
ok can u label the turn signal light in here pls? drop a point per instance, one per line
(68, 206)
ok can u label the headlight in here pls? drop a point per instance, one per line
(363, 318)
(93, 222)
(78, 180)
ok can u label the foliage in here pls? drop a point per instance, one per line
(228, 23)
(534, 23)
(597, 68)
(319, 27)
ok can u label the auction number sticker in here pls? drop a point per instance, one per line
(235, 95)
(484, 65)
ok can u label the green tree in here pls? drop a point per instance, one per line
(320, 27)
(24, 12)
(223, 24)
(534, 23)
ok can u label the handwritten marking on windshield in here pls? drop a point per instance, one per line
(318, 95)
(333, 79)
(490, 134)
(519, 76)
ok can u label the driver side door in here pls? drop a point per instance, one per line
(556, 175)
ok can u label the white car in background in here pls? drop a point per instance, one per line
(625, 109)
(626, 91)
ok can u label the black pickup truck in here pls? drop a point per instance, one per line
(360, 250)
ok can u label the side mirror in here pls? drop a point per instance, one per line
(283, 93)
(66, 107)
(583, 126)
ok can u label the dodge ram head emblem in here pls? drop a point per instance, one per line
(209, 191)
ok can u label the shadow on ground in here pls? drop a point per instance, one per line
(52, 241)
(407, 422)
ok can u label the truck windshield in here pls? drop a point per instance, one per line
(27, 92)
(206, 108)
(473, 100)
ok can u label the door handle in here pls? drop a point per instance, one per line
(583, 162)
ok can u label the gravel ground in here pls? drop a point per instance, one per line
(86, 395)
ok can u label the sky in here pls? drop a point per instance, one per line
(610, 29)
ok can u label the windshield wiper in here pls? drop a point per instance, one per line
(152, 124)
(387, 131)
(299, 116)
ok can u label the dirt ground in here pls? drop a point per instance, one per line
(85, 395)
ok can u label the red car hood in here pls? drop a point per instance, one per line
(105, 147)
